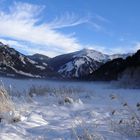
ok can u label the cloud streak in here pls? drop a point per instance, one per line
(20, 23)
(23, 27)
(67, 20)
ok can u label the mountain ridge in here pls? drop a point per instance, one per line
(76, 65)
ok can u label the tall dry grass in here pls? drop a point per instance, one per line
(6, 104)
(8, 111)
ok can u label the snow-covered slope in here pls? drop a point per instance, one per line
(13, 63)
(84, 62)
(80, 63)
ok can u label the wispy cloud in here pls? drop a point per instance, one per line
(20, 23)
(67, 20)
(97, 21)
(101, 18)
(96, 26)
(24, 28)
(71, 19)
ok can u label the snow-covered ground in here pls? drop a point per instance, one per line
(61, 110)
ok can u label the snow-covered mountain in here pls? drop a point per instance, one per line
(80, 63)
(83, 63)
(76, 65)
(13, 63)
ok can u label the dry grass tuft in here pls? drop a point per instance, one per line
(6, 103)
(7, 107)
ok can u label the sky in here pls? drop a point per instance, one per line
(54, 27)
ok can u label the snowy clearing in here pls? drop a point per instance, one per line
(54, 110)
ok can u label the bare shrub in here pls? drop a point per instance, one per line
(6, 103)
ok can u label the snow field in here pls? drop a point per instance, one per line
(54, 110)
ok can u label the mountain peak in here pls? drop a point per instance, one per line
(93, 54)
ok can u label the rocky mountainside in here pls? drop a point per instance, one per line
(13, 63)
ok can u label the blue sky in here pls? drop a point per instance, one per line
(54, 27)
